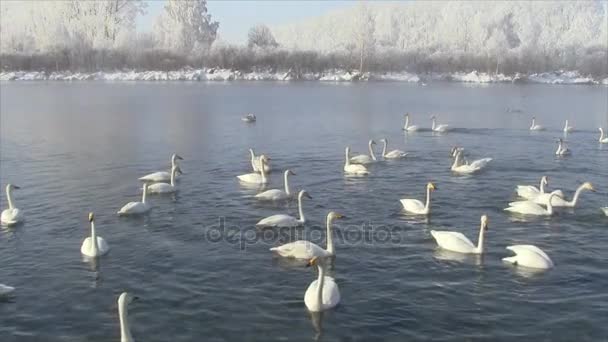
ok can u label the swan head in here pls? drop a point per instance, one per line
(126, 299)
(12, 187)
(383, 140)
(588, 186)
(545, 180)
(484, 222)
(176, 156)
(303, 194)
(372, 142)
(91, 217)
(334, 215)
(289, 172)
(431, 186)
(407, 115)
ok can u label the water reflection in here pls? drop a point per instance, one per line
(316, 318)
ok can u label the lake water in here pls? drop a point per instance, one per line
(80, 147)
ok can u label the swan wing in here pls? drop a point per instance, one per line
(11, 216)
(330, 296)
(301, 249)
(527, 191)
(87, 247)
(453, 241)
(133, 208)
(160, 188)
(361, 159)
(412, 205)
(605, 210)
(356, 169)
(394, 154)
(530, 256)
(480, 163)
(412, 128)
(250, 178)
(160, 176)
(272, 195)
(4, 289)
(527, 208)
(279, 220)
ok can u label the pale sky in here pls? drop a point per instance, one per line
(237, 16)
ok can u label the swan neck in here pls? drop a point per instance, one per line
(330, 237)
(320, 285)
(301, 212)
(144, 193)
(371, 150)
(286, 181)
(549, 205)
(347, 162)
(173, 171)
(9, 197)
(407, 122)
(433, 124)
(576, 195)
(93, 238)
(384, 148)
(428, 198)
(263, 170)
(601, 134)
(542, 186)
(533, 123)
(480, 239)
(125, 330)
(457, 160)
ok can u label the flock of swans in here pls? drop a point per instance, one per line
(323, 293)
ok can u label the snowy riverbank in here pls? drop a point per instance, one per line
(559, 77)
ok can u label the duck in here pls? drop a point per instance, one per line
(457, 242)
(394, 154)
(323, 293)
(123, 313)
(529, 256)
(166, 188)
(90, 249)
(354, 169)
(438, 128)
(535, 127)
(603, 139)
(303, 249)
(364, 158)
(558, 201)
(161, 176)
(415, 206)
(282, 220)
(12, 215)
(256, 162)
(256, 178)
(136, 208)
(277, 194)
(407, 126)
(562, 149)
(531, 208)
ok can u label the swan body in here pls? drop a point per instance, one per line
(457, 242)
(459, 167)
(415, 206)
(562, 149)
(535, 127)
(568, 128)
(123, 313)
(303, 249)
(165, 188)
(323, 293)
(12, 215)
(529, 256)
(249, 118)
(6, 290)
(256, 162)
(394, 154)
(364, 158)
(605, 210)
(603, 139)
(276, 194)
(91, 249)
(161, 176)
(531, 208)
(530, 192)
(283, 220)
(136, 208)
(355, 169)
(407, 126)
(558, 201)
(438, 128)
(256, 178)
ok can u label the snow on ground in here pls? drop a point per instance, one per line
(213, 74)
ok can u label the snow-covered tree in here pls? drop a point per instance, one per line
(260, 36)
(185, 26)
(363, 34)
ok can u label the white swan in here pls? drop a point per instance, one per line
(256, 178)
(6, 290)
(136, 208)
(165, 188)
(91, 249)
(364, 158)
(437, 128)
(562, 149)
(535, 127)
(529, 256)
(303, 249)
(605, 210)
(355, 169)
(568, 128)
(457, 242)
(559, 201)
(531, 208)
(282, 220)
(530, 192)
(249, 118)
(407, 126)
(394, 154)
(12, 215)
(414, 206)
(459, 167)
(277, 194)
(256, 162)
(161, 176)
(123, 309)
(323, 293)
(603, 139)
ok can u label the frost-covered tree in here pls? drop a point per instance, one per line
(260, 36)
(185, 26)
(363, 34)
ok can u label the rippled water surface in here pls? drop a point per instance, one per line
(80, 147)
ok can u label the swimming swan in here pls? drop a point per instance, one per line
(603, 139)
(568, 128)
(282, 220)
(562, 149)
(303, 249)
(161, 176)
(6, 290)
(276, 194)
(559, 201)
(364, 158)
(437, 128)
(394, 154)
(355, 169)
(459, 167)
(407, 126)
(256, 178)
(531, 208)
(166, 188)
(123, 309)
(605, 210)
(457, 242)
(256, 162)
(91, 249)
(323, 293)
(414, 206)
(529, 256)
(530, 192)
(249, 118)
(136, 208)
(12, 215)
(535, 127)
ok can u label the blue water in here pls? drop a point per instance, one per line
(80, 147)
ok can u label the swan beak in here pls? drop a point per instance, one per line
(178, 157)
(307, 195)
(592, 189)
(134, 298)
(16, 187)
(340, 216)
(292, 173)
(91, 217)
(179, 171)
(311, 262)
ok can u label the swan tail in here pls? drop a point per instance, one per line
(511, 260)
